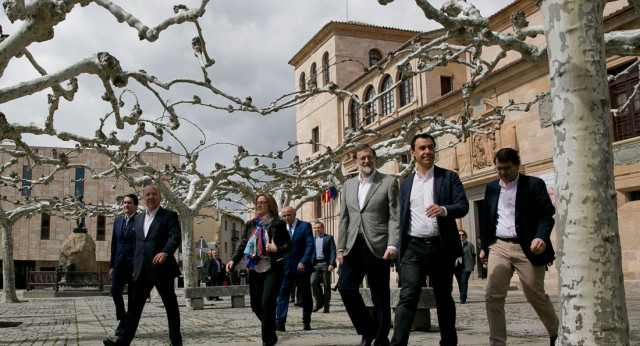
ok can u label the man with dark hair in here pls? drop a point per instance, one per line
(121, 264)
(324, 260)
(367, 241)
(431, 199)
(156, 238)
(465, 265)
(515, 233)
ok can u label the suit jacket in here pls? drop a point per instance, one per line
(328, 249)
(469, 256)
(122, 243)
(378, 217)
(448, 192)
(164, 236)
(277, 230)
(210, 269)
(302, 251)
(534, 217)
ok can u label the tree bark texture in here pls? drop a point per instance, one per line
(188, 251)
(591, 284)
(8, 269)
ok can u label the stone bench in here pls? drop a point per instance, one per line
(236, 292)
(422, 320)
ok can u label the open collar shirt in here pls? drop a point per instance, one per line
(148, 219)
(421, 197)
(506, 227)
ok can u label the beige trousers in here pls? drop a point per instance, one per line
(504, 258)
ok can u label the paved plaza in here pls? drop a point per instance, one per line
(88, 320)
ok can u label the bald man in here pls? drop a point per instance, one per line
(297, 270)
(156, 238)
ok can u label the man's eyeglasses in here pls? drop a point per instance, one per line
(365, 158)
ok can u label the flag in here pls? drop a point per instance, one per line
(326, 196)
(332, 193)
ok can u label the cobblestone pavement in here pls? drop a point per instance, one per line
(88, 320)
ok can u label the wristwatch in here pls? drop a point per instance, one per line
(165, 254)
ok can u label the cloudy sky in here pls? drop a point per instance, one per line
(251, 41)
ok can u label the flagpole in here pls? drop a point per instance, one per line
(347, 5)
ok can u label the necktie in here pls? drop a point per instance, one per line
(290, 231)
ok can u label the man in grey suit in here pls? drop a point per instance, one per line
(367, 240)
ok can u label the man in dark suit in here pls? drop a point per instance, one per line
(515, 233)
(157, 237)
(210, 271)
(324, 261)
(431, 199)
(367, 241)
(121, 264)
(298, 269)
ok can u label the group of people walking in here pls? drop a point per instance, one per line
(413, 223)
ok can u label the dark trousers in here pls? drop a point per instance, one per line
(263, 294)
(358, 263)
(141, 290)
(323, 274)
(303, 283)
(462, 276)
(121, 277)
(419, 260)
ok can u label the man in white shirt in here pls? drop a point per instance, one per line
(516, 230)
(367, 241)
(431, 200)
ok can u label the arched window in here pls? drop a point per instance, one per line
(370, 113)
(406, 88)
(325, 68)
(313, 75)
(303, 82)
(354, 115)
(387, 98)
(374, 57)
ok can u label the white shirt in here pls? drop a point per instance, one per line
(292, 227)
(148, 219)
(363, 188)
(506, 227)
(421, 197)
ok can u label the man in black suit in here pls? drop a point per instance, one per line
(210, 271)
(298, 269)
(431, 200)
(324, 261)
(516, 230)
(157, 237)
(121, 264)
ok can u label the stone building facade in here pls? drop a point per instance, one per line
(338, 53)
(37, 241)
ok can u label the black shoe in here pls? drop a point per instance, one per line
(120, 328)
(326, 310)
(306, 326)
(292, 300)
(553, 340)
(318, 307)
(298, 304)
(335, 288)
(365, 341)
(109, 342)
(280, 327)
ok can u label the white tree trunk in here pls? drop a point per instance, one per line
(8, 270)
(188, 255)
(591, 283)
